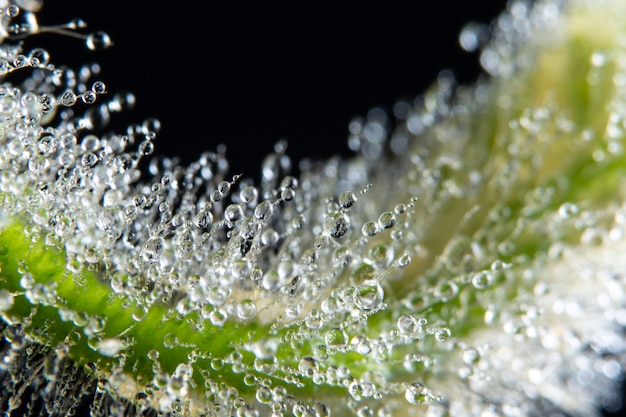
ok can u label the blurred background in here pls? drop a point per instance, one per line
(248, 76)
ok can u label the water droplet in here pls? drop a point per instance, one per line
(89, 159)
(99, 87)
(337, 225)
(369, 295)
(443, 334)
(313, 320)
(472, 36)
(386, 220)
(404, 260)
(151, 251)
(27, 281)
(109, 347)
(407, 324)
(98, 40)
(249, 194)
(88, 97)
(12, 11)
(321, 352)
(264, 394)
(381, 256)
(204, 219)
(169, 341)
(347, 199)
(482, 279)
(217, 364)
(307, 366)
(447, 291)
(369, 228)
(416, 393)
(471, 356)
(6, 300)
(263, 210)
(246, 309)
(335, 338)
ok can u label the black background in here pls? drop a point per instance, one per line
(247, 76)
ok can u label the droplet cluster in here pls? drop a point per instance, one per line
(427, 273)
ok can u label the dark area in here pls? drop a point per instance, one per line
(247, 76)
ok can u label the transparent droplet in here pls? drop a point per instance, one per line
(407, 324)
(416, 393)
(246, 309)
(338, 226)
(447, 291)
(369, 295)
(347, 199)
(263, 210)
(99, 87)
(381, 256)
(68, 98)
(204, 220)
(12, 11)
(98, 40)
(88, 97)
(482, 279)
(109, 347)
(264, 394)
(151, 250)
(307, 366)
(369, 228)
(387, 220)
(89, 159)
(249, 194)
(471, 356)
(6, 300)
(335, 338)
(443, 334)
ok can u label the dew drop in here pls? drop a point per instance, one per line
(263, 210)
(369, 295)
(471, 356)
(151, 251)
(98, 40)
(447, 291)
(204, 219)
(407, 324)
(443, 334)
(169, 341)
(386, 220)
(249, 194)
(27, 281)
(307, 366)
(416, 393)
(320, 352)
(264, 395)
(482, 279)
(337, 226)
(89, 159)
(404, 260)
(12, 11)
(369, 228)
(347, 199)
(335, 338)
(99, 87)
(6, 300)
(109, 347)
(246, 309)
